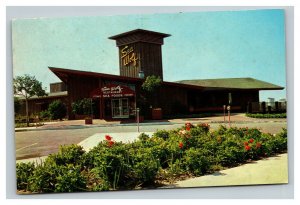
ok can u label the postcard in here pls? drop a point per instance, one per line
(153, 101)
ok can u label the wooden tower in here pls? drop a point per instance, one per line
(140, 52)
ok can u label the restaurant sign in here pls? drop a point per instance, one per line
(113, 91)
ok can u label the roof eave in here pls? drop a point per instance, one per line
(115, 37)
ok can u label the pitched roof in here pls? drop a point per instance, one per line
(233, 83)
(115, 37)
(64, 74)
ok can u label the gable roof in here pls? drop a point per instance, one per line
(233, 83)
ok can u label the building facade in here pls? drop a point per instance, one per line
(140, 55)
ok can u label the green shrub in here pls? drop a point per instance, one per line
(57, 110)
(230, 152)
(144, 166)
(221, 130)
(199, 130)
(68, 154)
(112, 163)
(70, 179)
(50, 177)
(163, 134)
(84, 106)
(45, 115)
(165, 156)
(43, 178)
(268, 115)
(175, 169)
(197, 161)
(94, 180)
(24, 172)
(143, 137)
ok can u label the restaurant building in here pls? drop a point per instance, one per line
(140, 55)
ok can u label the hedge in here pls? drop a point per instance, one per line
(168, 155)
(267, 115)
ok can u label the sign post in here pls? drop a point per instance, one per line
(137, 111)
(224, 109)
(228, 108)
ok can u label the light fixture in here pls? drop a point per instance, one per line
(141, 74)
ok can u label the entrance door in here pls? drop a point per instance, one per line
(120, 108)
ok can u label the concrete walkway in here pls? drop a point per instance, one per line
(124, 137)
(273, 170)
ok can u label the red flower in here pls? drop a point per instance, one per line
(245, 143)
(180, 145)
(111, 143)
(251, 140)
(247, 148)
(258, 145)
(188, 126)
(108, 138)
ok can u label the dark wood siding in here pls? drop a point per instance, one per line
(149, 60)
(57, 87)
(213, 100)
(78, 88)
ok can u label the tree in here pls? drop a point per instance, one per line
(57, 110)
(150, 85)
(17, 105)
(27, 86)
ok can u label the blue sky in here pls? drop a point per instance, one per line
(203, 45)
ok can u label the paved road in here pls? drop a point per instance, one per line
(39, 142)
(273, 170)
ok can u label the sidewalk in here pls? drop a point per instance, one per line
(125, 137)
(273, 170)
(217, 119)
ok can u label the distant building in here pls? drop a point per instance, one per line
(58, 91)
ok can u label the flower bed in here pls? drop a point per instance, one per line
(165, 157)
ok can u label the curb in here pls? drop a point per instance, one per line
(67, 127)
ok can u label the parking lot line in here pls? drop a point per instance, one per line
(26, 146)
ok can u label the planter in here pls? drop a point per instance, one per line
(88, 121)
(156, 114)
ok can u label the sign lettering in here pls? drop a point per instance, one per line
(113, 91)
(128, 56)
